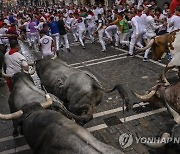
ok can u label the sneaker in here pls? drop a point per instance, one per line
(69, 50)
(84, 47)
(145, 60)
(61, 46)
(104, 50)
(130, 55)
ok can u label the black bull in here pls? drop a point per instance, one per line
(25, 92)
(79, 90)
(49, 132)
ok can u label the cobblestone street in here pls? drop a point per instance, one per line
(111, 68)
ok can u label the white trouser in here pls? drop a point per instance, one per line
(112, 31)
(28, 37)
(139, 42)
(149, 36)
(134, 39)
(56, 40)
(35, 36)
(101, 40)
(91, 30)
(74, 32)
(81, 36)
(64, 39)
(122, 39)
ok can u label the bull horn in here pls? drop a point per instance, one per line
(173, 113)
(161, 143)
(11, 116)
(48, 102)
(145, 98)
(146, 47)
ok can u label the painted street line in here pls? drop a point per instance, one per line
(130, 118)
(98, 59)
(105, 61)
(15, 150)
(153, 61)
(9, 138)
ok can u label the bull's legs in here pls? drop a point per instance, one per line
(163, 75)
(179, 71)
(15, 131)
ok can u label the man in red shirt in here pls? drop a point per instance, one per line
(174, 4)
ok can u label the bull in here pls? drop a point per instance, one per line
(48, 131)
(171, 94)
(25, 92)
(79, 90)
(166, 43)
(169, 142)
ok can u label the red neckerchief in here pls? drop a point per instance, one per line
(158, 15)
(139, 13)
(170, 16)
(178, 14)
(12, 51)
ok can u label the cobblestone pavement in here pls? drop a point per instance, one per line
(112, 67)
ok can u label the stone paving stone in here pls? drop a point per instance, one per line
(108, 138)
(12, 143)
(25, 152)
(112, 130)
(131, 152)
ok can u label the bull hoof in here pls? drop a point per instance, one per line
(15, 133)
(179, 74)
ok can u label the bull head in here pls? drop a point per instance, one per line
(152, 95)
(175, 129)
(19, 113)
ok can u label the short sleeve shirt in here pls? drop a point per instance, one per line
(46, 45)
(14, 63)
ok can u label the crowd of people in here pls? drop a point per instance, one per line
(124, 25)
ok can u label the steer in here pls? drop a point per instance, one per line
(79, 90)
(49, 132)
(167, 43)
(25, 92)
(171, 93)
(169, 142)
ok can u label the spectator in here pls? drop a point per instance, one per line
(174, 4)
(15, 62)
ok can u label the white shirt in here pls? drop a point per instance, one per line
(142, 23)
(26, 25)
(4, 40)
(135, 26)
(40, 26)
(176, 22)
(169, 29)
(46, 45)
(90, 21)
(151, 26)
(81, 26)
(14, 63)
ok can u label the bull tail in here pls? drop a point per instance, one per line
(123, 94)
(146, 47)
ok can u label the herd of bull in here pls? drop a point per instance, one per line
(51, 120)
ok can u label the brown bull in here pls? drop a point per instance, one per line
(167, 43)
(157, 94)
(169, 96)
